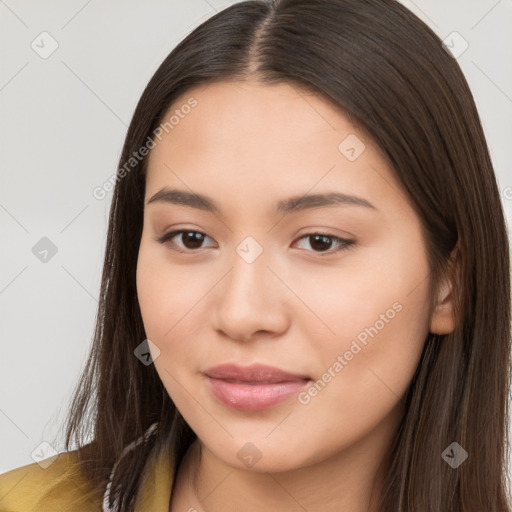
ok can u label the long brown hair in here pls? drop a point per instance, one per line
(390, 73)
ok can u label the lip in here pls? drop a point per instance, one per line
(253, 373)
(253, 388)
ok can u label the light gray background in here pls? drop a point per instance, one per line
(63, 121)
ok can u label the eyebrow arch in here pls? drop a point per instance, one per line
(284, 207)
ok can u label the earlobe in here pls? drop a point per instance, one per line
(443, 318)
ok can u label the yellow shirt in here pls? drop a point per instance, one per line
(61, 487)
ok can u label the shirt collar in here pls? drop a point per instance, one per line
(154, 492)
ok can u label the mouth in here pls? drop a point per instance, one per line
(253, 388)
(257, 373)
(254, 396)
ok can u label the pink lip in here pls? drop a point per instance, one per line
(253, 388)
(253, 373)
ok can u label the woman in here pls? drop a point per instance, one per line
(305, 301)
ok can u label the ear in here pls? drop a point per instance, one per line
(444, 318)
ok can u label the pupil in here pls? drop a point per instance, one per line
(321, 245)
(193, 237)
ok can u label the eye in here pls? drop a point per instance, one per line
(191, 240)
(323, 242)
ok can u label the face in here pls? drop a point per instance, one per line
(334, 291)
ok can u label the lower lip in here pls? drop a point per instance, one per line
(254, 397)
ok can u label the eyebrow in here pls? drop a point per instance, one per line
(284, 207)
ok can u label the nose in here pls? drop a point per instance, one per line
(251, 301)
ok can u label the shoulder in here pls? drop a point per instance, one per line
(59, 486)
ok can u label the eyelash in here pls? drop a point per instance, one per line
(344, 244)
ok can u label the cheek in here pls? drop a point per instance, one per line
(377, 309)
(171, 299)
(374, 305)
(379, 322)
(165, 292)
(164, 314)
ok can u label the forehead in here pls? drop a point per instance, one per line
(280, 114)
(244, 137)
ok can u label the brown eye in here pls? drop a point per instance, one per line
(189, 238)
(322, 242)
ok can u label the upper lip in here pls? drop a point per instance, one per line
(253, 373)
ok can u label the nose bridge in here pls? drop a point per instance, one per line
(248, 278)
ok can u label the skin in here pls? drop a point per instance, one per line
(297, 306)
